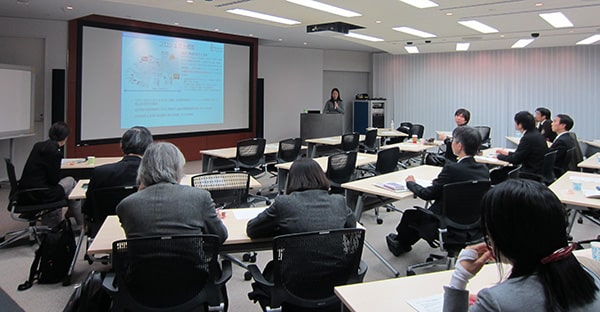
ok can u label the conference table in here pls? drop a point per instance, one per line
(283, 169)
(80, 168)
(577, 199)
(488, 157)
(331, 141)
(593, 143)
(592, 162)
(397, 294)
(516, 140)
(209, 156)
(384, 133)
(80, 189)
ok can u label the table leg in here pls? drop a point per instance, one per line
(311, 150)
(382, 259)
(574, 212)
(206, 163)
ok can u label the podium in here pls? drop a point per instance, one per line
(320, 125)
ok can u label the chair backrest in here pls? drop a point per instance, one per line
(548, 167)
(578, 152)
(572, 162)
(514, 174)
(166, 272)
(484, 131)
(289, 150)
(307, 266)
(418, 130)
(250, 153)
(102, 202)
(371, 139)
(227, 189)
(387, 160)
(12, 178)
(350, 141)
(461, 213)
(405, 127)
(340, 167)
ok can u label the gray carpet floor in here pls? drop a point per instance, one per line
(16, 260)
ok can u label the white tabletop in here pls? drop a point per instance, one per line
(592, 162)
(361, 159)
(563, 188)
(594, 143)
(81, 163)
(413, 147)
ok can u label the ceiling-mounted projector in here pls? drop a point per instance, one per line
(339, 27)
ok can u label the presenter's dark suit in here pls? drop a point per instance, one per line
(415, 224)
(529, 153)
(302, 211)
(42, 170)
(545, 128)
(562, 144)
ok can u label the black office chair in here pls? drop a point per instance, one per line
(404, 128)
(350, 142)
(169, 273)
(340, 169)
(370, 143)
(26, 212)
(547, 176)
(459, 223)
(387, 161)
(228, 189)
(418, 130)
(486, 141)
(100, 203)
(288, 151)
(250, 156)
(307, 266)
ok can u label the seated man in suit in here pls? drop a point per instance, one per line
(532, 146)
(561, 125)
(42, 170)
(415, 224)
(124, 172)
(544, 123)
(461, 118)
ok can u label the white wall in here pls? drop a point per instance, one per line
(493, 85)
(17, 38)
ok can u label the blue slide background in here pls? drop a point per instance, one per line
(169, 81)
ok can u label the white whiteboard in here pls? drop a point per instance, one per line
(16, 101)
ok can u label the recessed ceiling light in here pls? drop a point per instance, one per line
(539, 4)
(556, 19)
(363, 37)
(462, 46)
(69, 8)
(522, 43)
(411, 49)
(449, 14)
(589, 40)
(479, 26)
(305, 43)
(421, 4)
(279, 39)
(263, 16)
(501, 36)
(189, 1)
(377, 22)
(325, 8)
(414, 32)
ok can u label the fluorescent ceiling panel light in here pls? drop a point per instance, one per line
(421, 4)
(325, 8)
(557, 19)
(522, 43)
(263, 16)
(480, 27)
(414, 32)
(363, 37)
(462, 46)
(411, 49)
(589, 40)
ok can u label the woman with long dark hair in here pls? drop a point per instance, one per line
(334, 105)
(525, 225)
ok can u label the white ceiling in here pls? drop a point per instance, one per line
(516, 19)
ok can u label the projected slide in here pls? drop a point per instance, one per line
(168, 81)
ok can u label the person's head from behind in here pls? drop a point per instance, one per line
(542, 113)
(306, 174)
(465, 141)
(135, 140)
(59, 131)
(526, 226)
(524, 121)
(162, 162)
(462, 117)
(335, 94)
(562, 123)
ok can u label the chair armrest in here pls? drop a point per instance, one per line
(426, 211)
(258, 277)
(225, 272)
(108, 284)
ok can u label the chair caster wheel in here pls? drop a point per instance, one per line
(249, 257)
(246, 257)
(429, 259)
(379, 221)
(268, 202)
(88, 259)
(410, 273)
(247, 276)
(580, 220)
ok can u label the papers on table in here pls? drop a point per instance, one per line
(428, 304)
(585, 179)
(400, 186)
(244, 214)
(595, 193)
(70, 161)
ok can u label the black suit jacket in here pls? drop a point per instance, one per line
(529, 153)
(562, 144)
(465, 170)
(42, 170)
(545, 128)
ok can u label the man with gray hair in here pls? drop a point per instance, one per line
(162, 206)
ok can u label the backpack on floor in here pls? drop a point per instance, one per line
(53, 257)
